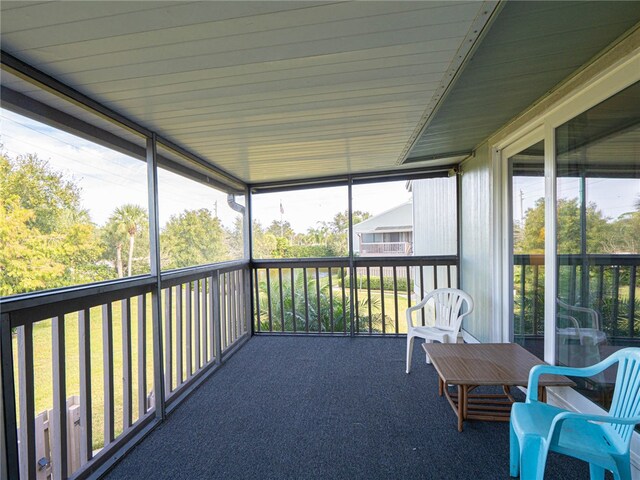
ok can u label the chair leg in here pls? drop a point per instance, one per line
(623, 466)
(409, 351)
(425, 353)
(596, 472)
(514, 453)
(533, 458)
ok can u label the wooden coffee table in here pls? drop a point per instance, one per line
(462, 367)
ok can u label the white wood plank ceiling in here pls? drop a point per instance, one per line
(265, 90)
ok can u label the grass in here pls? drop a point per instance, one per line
(43, 361)
(389, 311)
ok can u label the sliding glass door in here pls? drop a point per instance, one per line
(598, 237)
(526, 175)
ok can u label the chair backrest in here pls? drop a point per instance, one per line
(448, 304)
(626, 397)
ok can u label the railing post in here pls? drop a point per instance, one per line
(215, 286)
(154, 247)
(9, 428)
(248, 299)
(352, 269)
(59, 423)
(84, 337)
(248, 255)
(632, 300)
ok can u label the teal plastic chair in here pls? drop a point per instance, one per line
(601, 440)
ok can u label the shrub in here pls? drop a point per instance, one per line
(374, 283)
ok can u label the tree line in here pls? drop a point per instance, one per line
(603, 234)
(48, 239)
(327, 239)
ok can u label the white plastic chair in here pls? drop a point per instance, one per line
(447, 304)
(587, 332)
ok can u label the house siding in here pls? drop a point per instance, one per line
(476, 255)
(435, 233)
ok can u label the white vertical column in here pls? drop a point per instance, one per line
(550, 258)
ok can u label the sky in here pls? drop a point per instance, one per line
(305, 209)
(613, 196)
(109, 179)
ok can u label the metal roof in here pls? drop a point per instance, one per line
(271, 91)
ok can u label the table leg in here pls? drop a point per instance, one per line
(466, 389)
(462, 400)
(440, 386)
(542, 394)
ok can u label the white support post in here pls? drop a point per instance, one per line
(550, 258)
(156, 307)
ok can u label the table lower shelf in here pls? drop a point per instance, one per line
(493, 407)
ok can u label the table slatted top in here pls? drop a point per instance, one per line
(487, 364)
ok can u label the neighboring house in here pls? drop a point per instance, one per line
(387, 234)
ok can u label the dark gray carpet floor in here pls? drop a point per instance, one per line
(330, 408)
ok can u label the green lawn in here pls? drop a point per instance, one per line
(42, 343)
(389, 311)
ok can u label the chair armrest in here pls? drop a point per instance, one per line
(593, 315)
(556, 424)
(595, 418)
(409, 311)
(534, 374)
(416, 307)
(572, 320)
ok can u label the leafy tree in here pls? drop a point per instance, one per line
(337, 231)
(340, 222)
(40, 189)
(281, 229)
(194, 237)
(568, 214)
(27, 259)
(48, 240)
(264, 244)
(327, 239)
(625, 233)
(235, 238)
(80, 248)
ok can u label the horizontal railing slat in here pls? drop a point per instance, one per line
(72, 299)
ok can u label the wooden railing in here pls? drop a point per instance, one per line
(605, 283)
(205, 316)
(332, 296)
(115, 346)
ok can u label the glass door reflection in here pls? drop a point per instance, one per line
(528, 212)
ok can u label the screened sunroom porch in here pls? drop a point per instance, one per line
(254, 138)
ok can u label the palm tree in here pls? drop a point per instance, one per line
(129, 220)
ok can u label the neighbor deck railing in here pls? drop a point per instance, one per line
(333, 296)
(608, 286)
(113, 332)
(385, 248)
